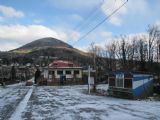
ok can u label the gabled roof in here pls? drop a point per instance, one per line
(63, 64)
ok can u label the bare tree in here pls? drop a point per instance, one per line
(153, 34)
(142, 50)
(111, 55)
(158, 46)
(132, 48)
(158, 49)
(127, 52)
(93, 50)
(123, 51)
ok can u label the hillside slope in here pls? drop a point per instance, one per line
(51, 47)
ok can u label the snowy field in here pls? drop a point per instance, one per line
(19, 102)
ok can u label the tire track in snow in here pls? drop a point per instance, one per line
(22, 105)
(10, 101)
(133, 112)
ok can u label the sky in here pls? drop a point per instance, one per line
(23, 21)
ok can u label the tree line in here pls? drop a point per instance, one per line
(138, 53)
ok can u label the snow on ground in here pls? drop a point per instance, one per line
(21, 107)
(73, 103)
(10, 98)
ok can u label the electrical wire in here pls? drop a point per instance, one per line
(89, 15)
(101, 22)
(91, 19)
(94, 16)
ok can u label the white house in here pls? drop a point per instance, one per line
(70, 71)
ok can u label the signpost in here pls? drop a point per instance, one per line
(90, 79)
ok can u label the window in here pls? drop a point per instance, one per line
(68, 72)
(60, 72)
(76, 72)
(112, 82)
(120, 80)
(51, 72)
(128, 83)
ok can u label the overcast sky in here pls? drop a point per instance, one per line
(22, 21)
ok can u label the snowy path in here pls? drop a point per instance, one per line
(21, 107)
(70, 103)
(10, 97)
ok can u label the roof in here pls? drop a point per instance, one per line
(63, 64)
(127, 73)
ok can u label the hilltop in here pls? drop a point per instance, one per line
(51, 47)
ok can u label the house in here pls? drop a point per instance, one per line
(132, 85)
(63, 71)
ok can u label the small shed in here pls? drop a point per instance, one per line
(133, 85)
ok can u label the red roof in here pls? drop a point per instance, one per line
(63, 63)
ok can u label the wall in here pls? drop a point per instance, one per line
(57, 76)
(142, 85)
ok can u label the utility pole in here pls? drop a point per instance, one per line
(89, 79)
(48, 66)
(159, 51)
(95, 68)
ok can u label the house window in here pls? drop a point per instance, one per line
(112, 82)
(51, 72)
(60, 72)
(128, 83)
(68, 72)
(120, 80)
(76, 72)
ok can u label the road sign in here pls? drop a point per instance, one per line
(86, 71)
(90, 79)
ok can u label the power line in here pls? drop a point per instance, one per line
(81, 26)
(101, 22)
(94, 17)
(89, 15)
(89, 20)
